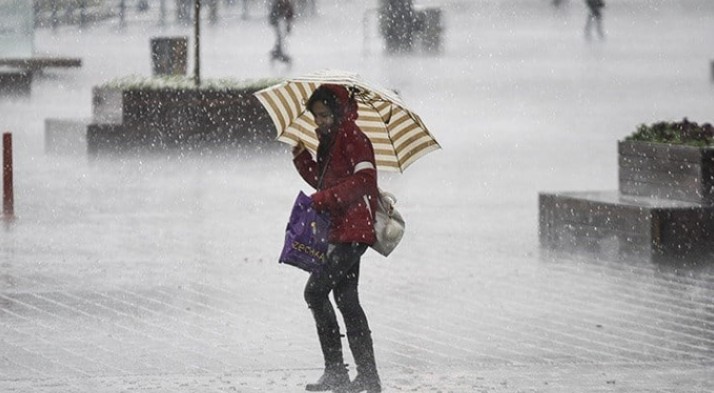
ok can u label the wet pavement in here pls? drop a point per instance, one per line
(159, 274)
(241, 325)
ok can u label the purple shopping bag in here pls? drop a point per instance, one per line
(305, 236)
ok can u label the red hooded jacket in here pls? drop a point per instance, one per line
(349, 186)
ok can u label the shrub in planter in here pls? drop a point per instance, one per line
(684, 132)
(669, 160)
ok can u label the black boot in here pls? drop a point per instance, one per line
(365, 383)
(334, 378)
(335, 375)
(367, 379)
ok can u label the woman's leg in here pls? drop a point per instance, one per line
(359, 336)
(346, 294)
(340, 261)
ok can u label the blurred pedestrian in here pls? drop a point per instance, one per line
(244, 15)
(142, 5)
(212, 10)
(594, 18)
(232, 3)
(345, 178)
(184, 11)
(281, 18)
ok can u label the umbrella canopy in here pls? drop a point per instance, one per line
(398, 135)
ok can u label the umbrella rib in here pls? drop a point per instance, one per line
(371, 103)
(386, 126)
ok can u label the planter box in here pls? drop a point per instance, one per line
(658, 170)
(157, 119)
(180, 116)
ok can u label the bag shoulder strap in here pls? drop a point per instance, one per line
(324, 170)
(326, 164)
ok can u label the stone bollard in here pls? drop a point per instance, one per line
(169, 55)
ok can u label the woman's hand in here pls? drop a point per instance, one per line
(298, 149)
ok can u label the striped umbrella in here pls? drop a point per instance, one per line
(398, 135)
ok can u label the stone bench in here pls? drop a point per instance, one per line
(613, 226)
(16, 74)
(39, 63)
(69, 136)
(66, 136)
(662, 211)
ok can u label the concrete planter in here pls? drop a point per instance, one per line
(169, 118)
(658, 170)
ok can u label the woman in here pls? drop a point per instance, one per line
(345, 178)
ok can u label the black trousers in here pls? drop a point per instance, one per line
(341, 277)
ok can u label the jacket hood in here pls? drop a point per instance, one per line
(346, 102)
